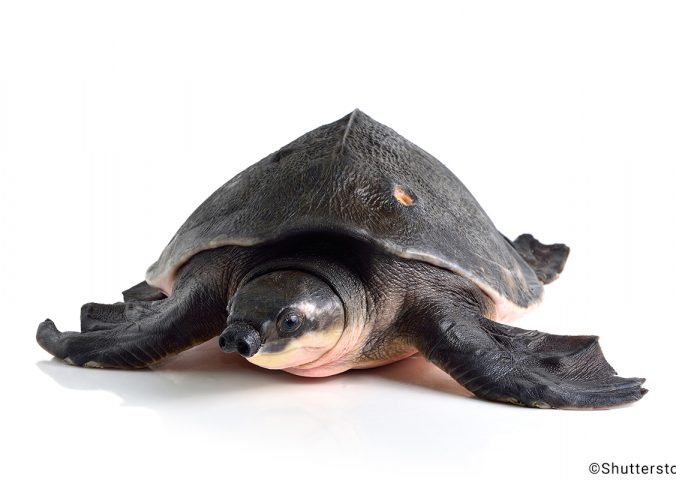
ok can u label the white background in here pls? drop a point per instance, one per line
(118, 118)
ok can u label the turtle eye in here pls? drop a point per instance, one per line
(289, 321)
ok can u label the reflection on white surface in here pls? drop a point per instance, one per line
(204, 374)
(204, 410)
(223, 403)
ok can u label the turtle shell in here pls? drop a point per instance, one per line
(358, 177)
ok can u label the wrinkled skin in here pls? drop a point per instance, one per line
(384, 307)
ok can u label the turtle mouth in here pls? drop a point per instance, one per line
(298, 351)
(284, 358)
(287, 351)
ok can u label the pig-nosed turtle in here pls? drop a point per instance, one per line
(351, 247)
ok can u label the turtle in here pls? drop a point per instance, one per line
(348, 248)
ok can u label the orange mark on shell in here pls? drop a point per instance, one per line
(403, 196)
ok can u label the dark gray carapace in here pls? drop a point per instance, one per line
(351, 247)
(357, 177)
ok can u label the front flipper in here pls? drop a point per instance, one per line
(101, 316)
(143, 291)
(136, 334)
(525, 367)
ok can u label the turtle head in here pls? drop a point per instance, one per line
(283, 319)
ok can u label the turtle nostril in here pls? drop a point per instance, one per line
(227, 342)
(243, 348)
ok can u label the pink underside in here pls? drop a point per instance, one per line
(506, 312)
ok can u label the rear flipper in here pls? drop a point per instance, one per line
(546, 260)
(524, 367)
